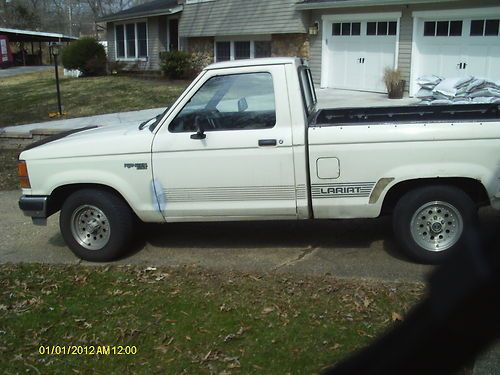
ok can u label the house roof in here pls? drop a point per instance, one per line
(242, 17)
(16, 35)
(321, 4)
(152, 8)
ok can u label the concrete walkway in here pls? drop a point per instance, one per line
(18, 70)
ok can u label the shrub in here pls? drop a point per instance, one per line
(394, 83)
(176, 64)
(116, 67)
(86, 55)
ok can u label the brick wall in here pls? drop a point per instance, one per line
(202, 49)
(290, 45)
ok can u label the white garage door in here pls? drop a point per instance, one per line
(457, 46)
(357, 53)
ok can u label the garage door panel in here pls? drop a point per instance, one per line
(358, 61)
(472, 52)
(440, 60)
(379, 56)
(483, 61)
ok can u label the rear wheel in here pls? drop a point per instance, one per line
(96, 225)
(429, 223)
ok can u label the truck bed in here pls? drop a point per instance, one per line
(406, 114)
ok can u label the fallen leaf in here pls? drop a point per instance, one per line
(267, 310)
(396, 317)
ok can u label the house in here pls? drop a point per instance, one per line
(138, 35)
(349, 43)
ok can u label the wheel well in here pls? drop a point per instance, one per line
(473, 188)
(61, 193)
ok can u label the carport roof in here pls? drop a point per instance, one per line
(16, 35)
(322, 4)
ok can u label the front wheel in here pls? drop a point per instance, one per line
(96, 225)
(429, 223)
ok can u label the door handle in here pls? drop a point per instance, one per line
(267, 142)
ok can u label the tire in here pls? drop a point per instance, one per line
(429, 223)
(97, 225)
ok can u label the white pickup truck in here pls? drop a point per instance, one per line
(246, 142)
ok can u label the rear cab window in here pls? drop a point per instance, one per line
(307, 88)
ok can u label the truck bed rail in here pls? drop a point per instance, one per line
(406, 114)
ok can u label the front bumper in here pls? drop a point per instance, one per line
(36, 207)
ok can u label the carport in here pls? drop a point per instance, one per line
(33, 39)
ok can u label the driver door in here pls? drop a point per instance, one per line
(226, 151)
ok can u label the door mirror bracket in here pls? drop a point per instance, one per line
(200, 133)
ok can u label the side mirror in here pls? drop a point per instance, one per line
(242, 105)
(200, 133)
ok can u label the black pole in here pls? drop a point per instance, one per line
(57, 84)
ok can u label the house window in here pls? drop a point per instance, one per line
(131, 40)
(484, 27)
(130, 34)
(223, 51)
(262, 49)
(443, 28)
(120, 41)
(241, 49)
(382, 28)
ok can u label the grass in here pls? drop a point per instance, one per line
(29, 98)
(188, 321)
(8, 169)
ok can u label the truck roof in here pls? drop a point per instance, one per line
(254, 62)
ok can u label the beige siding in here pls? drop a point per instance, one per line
(163, 33)
(110, 37)
(153, 44)
(405, 37)
(241, 17)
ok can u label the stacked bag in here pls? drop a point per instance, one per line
(459, 90)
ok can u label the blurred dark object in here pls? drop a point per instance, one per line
(458, 319)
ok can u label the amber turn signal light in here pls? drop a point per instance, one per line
(24, 179)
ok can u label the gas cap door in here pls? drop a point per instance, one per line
(328, 168)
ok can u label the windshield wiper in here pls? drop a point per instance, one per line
(157, 120)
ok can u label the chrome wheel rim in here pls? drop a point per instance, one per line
(90, 227)
(436, 226)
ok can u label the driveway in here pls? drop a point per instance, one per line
(18, 70)
(335, 98)
(342, 248)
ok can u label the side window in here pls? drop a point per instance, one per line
(230, 102)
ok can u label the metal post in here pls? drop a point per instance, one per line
(57, 84)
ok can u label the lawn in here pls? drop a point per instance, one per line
(8, 169)
(187, 320)
(29, 98)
